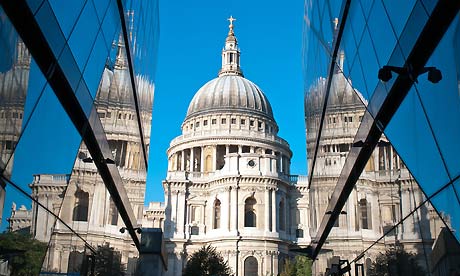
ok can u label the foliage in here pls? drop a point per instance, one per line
(108, 262)
(23, 253)
(396, 261)
(207, 262)
(300, 266)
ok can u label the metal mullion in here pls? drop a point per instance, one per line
(132, 78)
(336, 46)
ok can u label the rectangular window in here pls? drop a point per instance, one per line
(205, 122)
(108, 115)
(350, 119)
(243, 121)
(251, 123)
(213, 121)
(223, 121)
(233, 121)
(197, 124)
(260, 124)
(101, 114)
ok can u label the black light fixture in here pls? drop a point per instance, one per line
(434, 74)
(109, 161)
(138, 229)
(87, 160)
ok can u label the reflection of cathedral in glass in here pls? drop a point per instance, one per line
(14, 80)
(81, 199)
(384, 194)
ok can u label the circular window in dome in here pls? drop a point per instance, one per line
(251, 163)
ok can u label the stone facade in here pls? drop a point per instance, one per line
(229, 185)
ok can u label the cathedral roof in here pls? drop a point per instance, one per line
(230, 91)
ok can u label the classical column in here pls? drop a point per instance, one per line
(203, 218)
(192, 160)
(267, 209)
(202, 159)
(234, 204)
(182, 161)
(274, 222)
(214, 159)
(188, 222)
(228, 207)
(174, 213)
(227, 149)
(281, 163)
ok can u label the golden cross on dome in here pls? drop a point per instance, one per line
(231, 19)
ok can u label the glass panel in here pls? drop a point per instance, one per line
(441, 100)
(410, 135)
(84, 35)
(67, 13)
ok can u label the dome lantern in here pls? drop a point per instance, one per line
(231, 53)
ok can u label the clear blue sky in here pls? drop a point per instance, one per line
(192, 35)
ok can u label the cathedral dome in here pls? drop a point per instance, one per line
(230, 92)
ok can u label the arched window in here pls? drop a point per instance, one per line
(250, 266)
(281, 217)
(365, 212)
(216, 214)
(113, 213)
(80, 211)
(250, 219)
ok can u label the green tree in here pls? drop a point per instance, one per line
(300, 266)
(23, 253)
(108, 262)
(396, 261)
(207, 262)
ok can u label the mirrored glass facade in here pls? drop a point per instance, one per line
(76, 95)
(381, 110)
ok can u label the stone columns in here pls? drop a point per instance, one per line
(267, 209)
(234, 207)
(182, 161)
(214, 158)
(203, 219)
(228, 208)
(202, 159)
(274, 222)
(192, 160)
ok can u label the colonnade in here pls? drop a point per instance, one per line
(206, 159)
